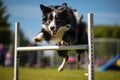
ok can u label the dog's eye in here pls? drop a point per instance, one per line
(50, 17)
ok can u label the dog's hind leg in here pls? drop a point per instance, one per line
(78, 61)
(65, 58)
(79, 52)
(61, 67)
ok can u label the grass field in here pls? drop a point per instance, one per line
(52, 74)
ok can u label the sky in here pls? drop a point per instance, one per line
(28, 12)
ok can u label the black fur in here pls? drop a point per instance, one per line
(76, 35)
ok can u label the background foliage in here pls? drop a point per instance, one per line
(5, 33)
(107, 31)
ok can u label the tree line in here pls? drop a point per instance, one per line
(107, 31)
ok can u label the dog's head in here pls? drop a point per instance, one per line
(55, 17)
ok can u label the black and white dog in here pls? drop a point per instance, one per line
(63, 25)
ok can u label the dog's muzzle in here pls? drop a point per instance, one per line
(52, 30)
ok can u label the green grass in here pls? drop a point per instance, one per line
(52, 74)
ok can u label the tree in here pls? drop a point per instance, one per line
(107, 31)
(5, 33)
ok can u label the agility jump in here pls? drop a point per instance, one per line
(89, 47)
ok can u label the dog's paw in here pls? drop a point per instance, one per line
(60, 69)
(35, 39)
(63, 43)
(39, 37)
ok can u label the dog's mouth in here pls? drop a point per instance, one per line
(52, 32)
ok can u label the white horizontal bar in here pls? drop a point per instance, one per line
(75, 47)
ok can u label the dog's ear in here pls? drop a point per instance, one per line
(45, 9)
(63, 7)
(64, 4)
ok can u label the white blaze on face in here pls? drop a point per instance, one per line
(52, 23)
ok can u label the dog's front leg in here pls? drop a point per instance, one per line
(39, 37)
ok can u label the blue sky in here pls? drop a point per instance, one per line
(28, 13)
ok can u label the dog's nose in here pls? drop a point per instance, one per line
(52, 28)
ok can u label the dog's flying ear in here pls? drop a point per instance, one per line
(63, 7)
(64, 4)
(45, 9)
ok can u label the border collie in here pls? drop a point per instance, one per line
(63, 25)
